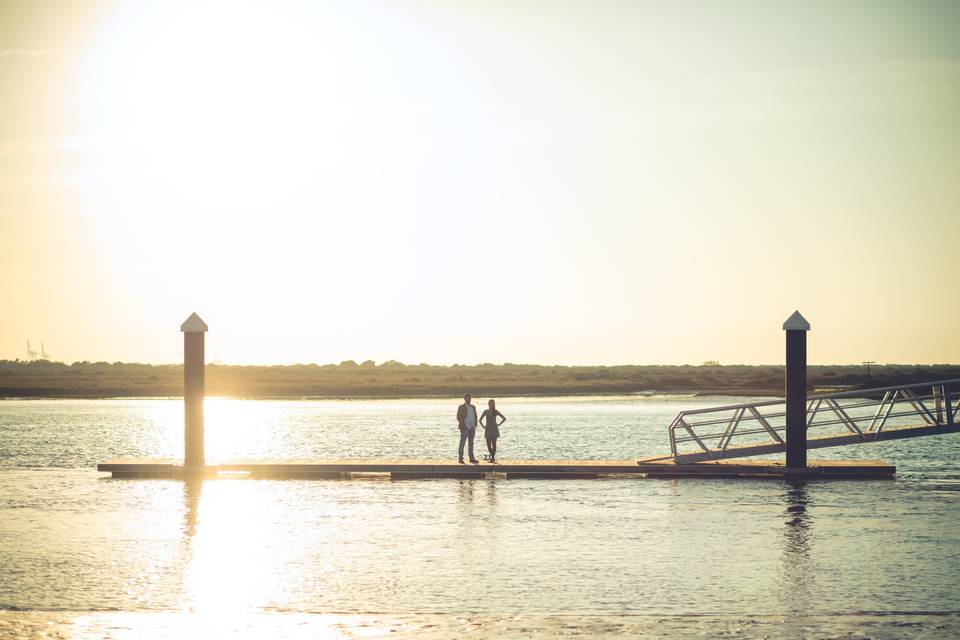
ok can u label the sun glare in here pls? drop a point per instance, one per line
(207, 132)
(205, 152)
(228, 571)
(331, 160)
(269, 163)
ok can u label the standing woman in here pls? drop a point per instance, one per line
(491, 428)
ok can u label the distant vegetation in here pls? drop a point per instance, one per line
(393, 379)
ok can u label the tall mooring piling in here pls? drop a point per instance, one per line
(795, 382)
(193, 330)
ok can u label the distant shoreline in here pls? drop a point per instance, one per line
(424, 396)
(393, 380)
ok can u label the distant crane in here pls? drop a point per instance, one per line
(31, 354)
(43, 352)
(868, 363)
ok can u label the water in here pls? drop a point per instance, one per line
(85, 555)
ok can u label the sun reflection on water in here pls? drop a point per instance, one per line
(228, 569)
(246, 625)
(233, 428)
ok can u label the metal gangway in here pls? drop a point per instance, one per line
(833, 420)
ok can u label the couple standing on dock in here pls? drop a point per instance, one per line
(467, 420)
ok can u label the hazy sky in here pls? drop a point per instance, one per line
(552, 182)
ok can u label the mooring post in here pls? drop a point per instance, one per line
(796, 327)
(193, 329)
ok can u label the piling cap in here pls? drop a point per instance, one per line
(796, 322)
(193, 324)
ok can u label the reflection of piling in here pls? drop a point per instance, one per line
(796, 327)
(798, 588)
(192, 489)
(193, 390)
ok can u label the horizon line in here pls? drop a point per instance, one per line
(369, 363)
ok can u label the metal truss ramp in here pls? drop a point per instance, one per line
(833, 420)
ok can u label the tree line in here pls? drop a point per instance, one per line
(394, 379)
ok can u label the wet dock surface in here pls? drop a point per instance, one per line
(400, 469)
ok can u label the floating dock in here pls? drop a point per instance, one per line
(398, 469)
(759, 428)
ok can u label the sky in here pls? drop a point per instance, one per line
(591, 182)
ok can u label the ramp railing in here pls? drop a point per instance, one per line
(833, 419)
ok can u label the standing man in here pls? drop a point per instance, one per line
(467, 419)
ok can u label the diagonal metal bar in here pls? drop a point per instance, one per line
(886, 414)
(842, 415)
(766, 425)
(813, 414)
(695, 437)
(919, 406)
(731, 429)
(887, 397)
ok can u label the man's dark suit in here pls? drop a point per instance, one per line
(466, 435)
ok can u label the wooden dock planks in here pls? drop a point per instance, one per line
(511, 469)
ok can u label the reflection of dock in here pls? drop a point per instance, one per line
(546, 469)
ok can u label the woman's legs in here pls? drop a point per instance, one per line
(492, 446)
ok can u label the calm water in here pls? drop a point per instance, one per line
(84, 555)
